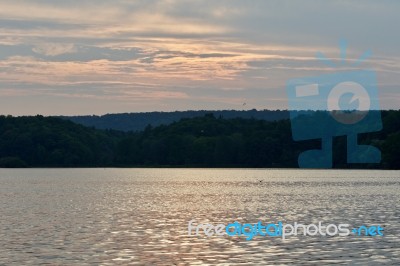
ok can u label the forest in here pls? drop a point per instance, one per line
(206, 141)
(139, 121)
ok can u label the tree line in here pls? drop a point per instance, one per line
(207, 141)
(139, 121)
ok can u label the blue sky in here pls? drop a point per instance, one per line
(97, 57)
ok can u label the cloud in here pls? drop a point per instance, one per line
(186, 54)
(53, 49)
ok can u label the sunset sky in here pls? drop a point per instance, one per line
(96, 57)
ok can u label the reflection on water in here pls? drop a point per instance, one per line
(140, 216)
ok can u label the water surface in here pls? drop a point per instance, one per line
(140, 216)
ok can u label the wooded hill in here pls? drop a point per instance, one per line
(207, 141)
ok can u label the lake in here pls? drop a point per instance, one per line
(141, 216)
